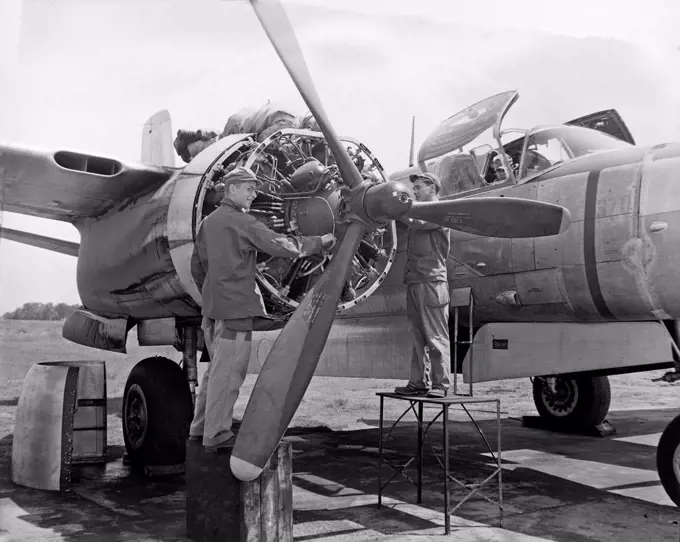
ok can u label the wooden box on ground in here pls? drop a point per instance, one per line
(222, 508)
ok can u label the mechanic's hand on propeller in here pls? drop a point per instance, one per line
(290, 365)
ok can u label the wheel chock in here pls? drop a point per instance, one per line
(604, 429)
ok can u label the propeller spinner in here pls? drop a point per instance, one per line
(290, 365)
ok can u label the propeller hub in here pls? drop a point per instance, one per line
(387, 201)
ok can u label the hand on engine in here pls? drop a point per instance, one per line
(327, 241)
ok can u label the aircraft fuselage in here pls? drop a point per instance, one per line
(617, 261)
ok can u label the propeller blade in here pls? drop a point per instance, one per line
(290, 365)
(275, 22)
(494, 216)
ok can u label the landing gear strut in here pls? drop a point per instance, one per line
(189, 358)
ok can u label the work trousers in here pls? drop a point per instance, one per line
(427, 308)
(229, 355)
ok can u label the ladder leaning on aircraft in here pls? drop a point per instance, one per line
(564, 237)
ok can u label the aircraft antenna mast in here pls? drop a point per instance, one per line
(413, 142)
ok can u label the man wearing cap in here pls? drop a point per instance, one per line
(427, 297)
(223, 266)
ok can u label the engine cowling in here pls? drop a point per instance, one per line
(302, 194)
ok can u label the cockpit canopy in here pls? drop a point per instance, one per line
(545, 147)
(469, 150)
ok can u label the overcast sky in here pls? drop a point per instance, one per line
(86, 75)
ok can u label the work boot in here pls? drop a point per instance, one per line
(437, 393)
(410, 389)
(222, 444)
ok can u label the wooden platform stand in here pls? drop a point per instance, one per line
(222, 508)
(416, 405)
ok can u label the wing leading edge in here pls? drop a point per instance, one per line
(41, 241)
(69, 186)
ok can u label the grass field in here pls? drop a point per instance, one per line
(337, 403)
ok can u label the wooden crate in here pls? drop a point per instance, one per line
(222, 508)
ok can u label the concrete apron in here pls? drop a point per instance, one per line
(556, 487)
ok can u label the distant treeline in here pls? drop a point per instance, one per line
(41, 311)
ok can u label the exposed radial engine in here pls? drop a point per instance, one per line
(302, 194)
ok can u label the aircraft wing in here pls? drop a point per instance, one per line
(69, 186)
(33, 239)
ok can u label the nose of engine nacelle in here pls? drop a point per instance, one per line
(388, 201)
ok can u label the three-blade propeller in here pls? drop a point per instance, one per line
(291, 363)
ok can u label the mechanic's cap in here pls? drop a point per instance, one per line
(428, 177)
(241, 175)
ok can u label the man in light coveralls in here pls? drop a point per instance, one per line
(427, 298)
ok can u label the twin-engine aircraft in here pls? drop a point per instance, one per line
(562, 265)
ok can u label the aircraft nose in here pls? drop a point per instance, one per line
(655, 259)
(660, 190)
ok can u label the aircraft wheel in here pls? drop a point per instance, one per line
(157, 412)
(668, 460)
(582, 401)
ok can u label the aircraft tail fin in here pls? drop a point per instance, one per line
(157, 147)
(413, 142)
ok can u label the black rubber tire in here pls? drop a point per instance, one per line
(592, 399)
(158, 386)
(669, 445)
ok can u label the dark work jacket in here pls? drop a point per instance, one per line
(427, 250)
(224, 259)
